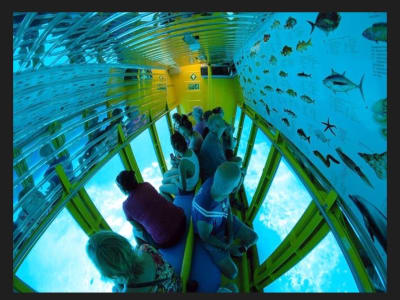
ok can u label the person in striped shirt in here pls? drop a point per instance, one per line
(222, 233)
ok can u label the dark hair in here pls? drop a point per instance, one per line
(185, 122)
(217, 110)
(178, 142)
(207, 114)
(127, 180)
(176, 117)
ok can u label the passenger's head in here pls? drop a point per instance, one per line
(126, 181)
(226, 178)
(216, 124)
(179, 143)
(218, 111)
(114, 257)
(197, 113)
(206, 115)
(185, 127)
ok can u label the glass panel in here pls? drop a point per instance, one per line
(108, 198)
(175, 110)
(324, 270)
(244, 137)
(165, 139)
(237, 118)
(258, 157)
(142, 148)
(284, 204)
(58, 262)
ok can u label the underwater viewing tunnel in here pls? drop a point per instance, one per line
(304, 94)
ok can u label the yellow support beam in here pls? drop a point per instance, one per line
(127, 157)
(82, 208)
(187, 257)
(20, 286)
(157, 148)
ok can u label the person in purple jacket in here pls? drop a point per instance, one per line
(222, 233)
(163, 224)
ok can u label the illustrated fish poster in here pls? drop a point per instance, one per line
(330, 71)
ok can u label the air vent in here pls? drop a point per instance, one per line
(219, 71)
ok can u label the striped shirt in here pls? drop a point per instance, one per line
(205, 208)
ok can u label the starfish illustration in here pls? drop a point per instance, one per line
(329, 126)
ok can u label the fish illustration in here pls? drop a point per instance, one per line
(378, 162)
(244, 79)
(265, 71)
(283, 74)
(273, 60)
(254, 101)
(279, 91)
(290, 23)
(263, 93)
(257, 78)
(286, 121)
(254, 49)
(291, 93)
(326, 160)
(257, 64)
(302, 134)
(268, 88)
(250, 70)
(321, 136)
(302, 74)
(290, 112)
(249, 80)
(307, 99)
(338, 83)
(302, 45)
(377, 32)
(326, 22)
(274, 109)
(266, 37)
(275, 24)
(267, 109)
(286, 50)
(374, 220)
(352, 165)
(262, 101)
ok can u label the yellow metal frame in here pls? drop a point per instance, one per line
(20, 286)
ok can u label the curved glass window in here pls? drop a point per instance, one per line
(165, 140)
(244, 138)
(259, 156)
(323, 270)
(284, 204)
(146, 158)
(59, 263)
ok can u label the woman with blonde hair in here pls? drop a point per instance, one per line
(141, 269)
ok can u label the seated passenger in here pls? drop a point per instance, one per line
(222, 233)
(198, 117)
(206, 115)
(228, 142)
(133, 270)
(183, 179)
(164, 222)
(192, 137)
(212, 153)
